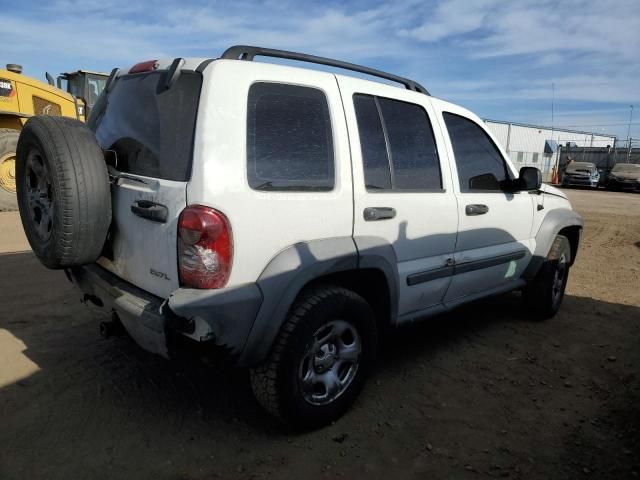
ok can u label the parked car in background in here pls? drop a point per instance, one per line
(624, 176)
(581, 174)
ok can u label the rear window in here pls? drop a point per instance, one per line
(150, 128)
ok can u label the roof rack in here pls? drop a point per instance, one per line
(244, 52)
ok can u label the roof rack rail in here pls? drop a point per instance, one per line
(245, 52)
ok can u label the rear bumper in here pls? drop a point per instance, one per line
(224, 317)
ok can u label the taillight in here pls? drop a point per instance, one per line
(148, 66)
(205, 248)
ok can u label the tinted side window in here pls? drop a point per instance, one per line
(480, 165)
(289, 140)
(374, 148)
(397, 143)
(413, 148)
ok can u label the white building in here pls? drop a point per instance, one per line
(536, 146)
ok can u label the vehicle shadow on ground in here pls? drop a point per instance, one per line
(91, 395)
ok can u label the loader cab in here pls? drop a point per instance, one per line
(84, 85)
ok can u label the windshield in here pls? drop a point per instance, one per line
(74, 85)
(627, 168)
(149, 127)
(584, 165)
(95, 85)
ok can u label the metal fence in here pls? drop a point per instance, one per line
(544, 162)
(603, 158)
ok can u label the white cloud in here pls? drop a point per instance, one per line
(451, 18)
(547, 59)
(490, 54)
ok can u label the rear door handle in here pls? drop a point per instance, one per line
(372, 214)
(153, 211)
(476, 209)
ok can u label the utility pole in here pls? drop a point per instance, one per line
(555, 174)
(629, 134)
(553, 97)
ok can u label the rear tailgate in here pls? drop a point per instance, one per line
(150, 130)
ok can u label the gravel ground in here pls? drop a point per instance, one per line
(480, 392)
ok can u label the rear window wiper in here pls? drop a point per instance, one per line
(264, 186)
(114, 176)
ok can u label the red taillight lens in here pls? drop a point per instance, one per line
(205, 248)
(147, 66)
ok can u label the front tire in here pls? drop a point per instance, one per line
(320, 360)
(544, 294)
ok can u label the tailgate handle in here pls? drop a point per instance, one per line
(153, 211)
(476, 209)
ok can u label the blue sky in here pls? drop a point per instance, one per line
(496, 57)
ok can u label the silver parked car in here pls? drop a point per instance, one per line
(581, 174)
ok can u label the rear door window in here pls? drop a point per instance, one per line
(375, 157)
(149, 127)
(289, 138)
(397, 143)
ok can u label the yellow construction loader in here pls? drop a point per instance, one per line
(22, 97)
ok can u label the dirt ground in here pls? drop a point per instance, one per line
(481, 392)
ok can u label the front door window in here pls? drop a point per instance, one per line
(480, 165)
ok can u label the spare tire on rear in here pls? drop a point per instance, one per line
(63, 191)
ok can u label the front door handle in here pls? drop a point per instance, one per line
(372, 214)
(476, 209)
(153, 211)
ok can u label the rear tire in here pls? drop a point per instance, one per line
(63, 191)
(8, 143)
(320, 360)
(544, 294)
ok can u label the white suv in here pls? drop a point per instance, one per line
(286, 215)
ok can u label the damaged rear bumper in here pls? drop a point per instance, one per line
(224, 316)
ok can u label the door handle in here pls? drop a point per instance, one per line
(476, 209)
(372, 214)
(153, 211)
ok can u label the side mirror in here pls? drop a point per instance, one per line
(530, 179)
